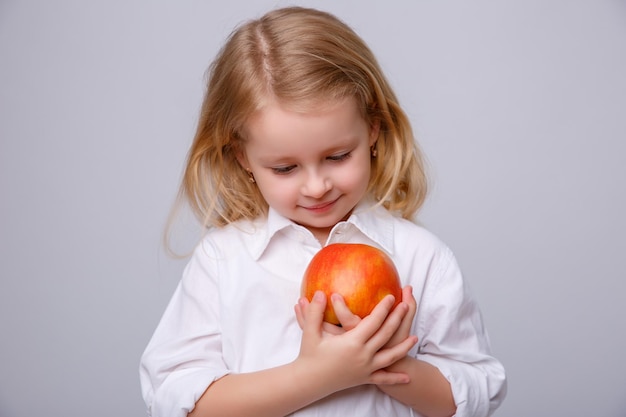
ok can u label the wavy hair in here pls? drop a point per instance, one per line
(301, 58)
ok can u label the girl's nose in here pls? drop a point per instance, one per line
(316, 185)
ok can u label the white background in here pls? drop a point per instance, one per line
(520, 107)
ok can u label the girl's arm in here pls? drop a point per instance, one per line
(326, 364)
(428, 392)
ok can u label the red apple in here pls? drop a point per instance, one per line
(362, 274)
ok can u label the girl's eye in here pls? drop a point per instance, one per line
(283, 170)
(340, 157)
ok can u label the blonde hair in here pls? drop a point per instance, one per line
(299, 57)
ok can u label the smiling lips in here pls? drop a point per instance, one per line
(321, 208)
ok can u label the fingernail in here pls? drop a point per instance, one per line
(319, 296)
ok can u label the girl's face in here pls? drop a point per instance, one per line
(312, 168)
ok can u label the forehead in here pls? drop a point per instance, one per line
(279, 129)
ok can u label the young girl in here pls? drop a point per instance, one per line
(301, 143)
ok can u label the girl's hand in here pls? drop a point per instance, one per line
(355, 354)
(349, 320)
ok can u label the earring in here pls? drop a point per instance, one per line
(250, 176)
(374, 152)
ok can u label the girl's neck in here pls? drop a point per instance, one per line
(321, 234)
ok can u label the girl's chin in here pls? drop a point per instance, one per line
(316, 226)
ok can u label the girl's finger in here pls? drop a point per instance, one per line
(299, 310)
(389, 356)
(313, 314)
(383, 377)
(371, 324)
(407, 322)
(390, 327)
(347, 319)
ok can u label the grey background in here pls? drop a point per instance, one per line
(519, 105)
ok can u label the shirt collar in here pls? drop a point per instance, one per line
(369, 218)
(374, 221)
(264, 231)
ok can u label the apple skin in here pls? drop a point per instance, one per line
(361, 273)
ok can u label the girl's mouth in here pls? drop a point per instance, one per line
(322, 207)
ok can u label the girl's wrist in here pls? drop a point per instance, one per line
(312, 378)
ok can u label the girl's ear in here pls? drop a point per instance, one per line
(240, 154)
(374, 131)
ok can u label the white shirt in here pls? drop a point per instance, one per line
(233, 312)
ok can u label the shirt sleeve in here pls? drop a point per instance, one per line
(454, 339)
(184, 355)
